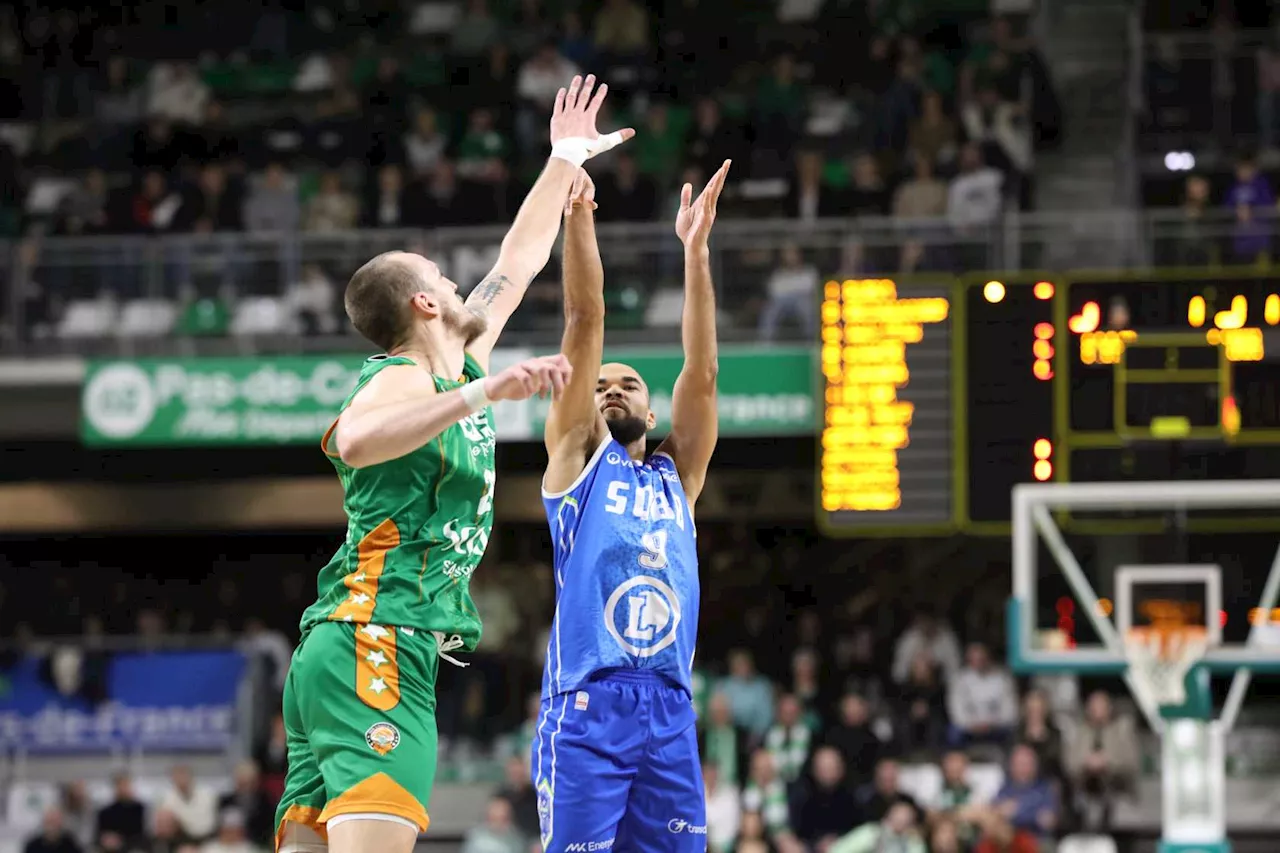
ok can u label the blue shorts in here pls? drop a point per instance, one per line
(616, 767)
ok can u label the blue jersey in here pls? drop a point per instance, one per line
(626, 569)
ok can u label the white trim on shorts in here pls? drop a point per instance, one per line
(385, 818)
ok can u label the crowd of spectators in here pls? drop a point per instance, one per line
(153, 121)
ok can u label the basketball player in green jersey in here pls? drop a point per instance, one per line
(414, 449)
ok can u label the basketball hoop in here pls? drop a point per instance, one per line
(1160, 658)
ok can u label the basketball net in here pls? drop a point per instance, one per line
(1160, 658)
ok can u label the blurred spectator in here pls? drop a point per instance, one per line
(215, 198)
(724, 809)
(1102, 761)
(193, 806)
(660, 143)
(827, 808)
(724, 744)
(271, 648)
(122, 822)
(982, 700)
(167, 835)
(482, 151)
(945, 838)
(766, 794)
(876, 797)
(476, 31)
(779, 106)
(1037, 730)
(999, 835)
(254, 811)
(388, 203)
(154, 207)
(790, 739)
(930, 637)
(54, 836)
(84, 210)
(1193, 244)
(272, 758)
(749, 693)
(575, 44)
(933, 135)
(425, 145)
(497, 834)
(542, 75)
(79, 817)
(231, 836)
(956, 799)
(810, 197)
(974, 201)
(923, 196)
(272, 203)
(517, 790)
(332, 208)
(176, 93)
(896, 832)
(854, 738)
(806, 685)
(621, 29)
(713, 138)
(1252, 200)
(792, 291)
(120, 101)
(1028, 800)
(997, 126)
(921, 708)
(626, 195)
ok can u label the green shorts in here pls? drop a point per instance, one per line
(360, 724)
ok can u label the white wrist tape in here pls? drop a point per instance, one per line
(474, 395)
(578, 149)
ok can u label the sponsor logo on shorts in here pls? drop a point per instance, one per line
(581, 700)
(382, 737)
(544, 811)
(588, 846)
(678, 825)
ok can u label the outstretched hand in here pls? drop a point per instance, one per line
(575, 113)
(583, 193)
(693, 222)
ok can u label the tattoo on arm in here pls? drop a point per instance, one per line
(488, 291)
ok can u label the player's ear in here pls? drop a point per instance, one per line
(650, 421)
(424, 304)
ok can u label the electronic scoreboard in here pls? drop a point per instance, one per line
(940, 396)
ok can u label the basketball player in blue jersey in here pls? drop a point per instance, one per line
(615, 755)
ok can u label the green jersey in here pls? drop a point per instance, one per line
(417, 527)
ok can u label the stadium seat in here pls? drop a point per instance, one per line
(433, 19)
(88, 319)
(985, 780)
(1087, 844)
(260, 315)
(146, 318)
(922, 781)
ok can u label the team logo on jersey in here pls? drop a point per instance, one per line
(642, 615)
(382, 737)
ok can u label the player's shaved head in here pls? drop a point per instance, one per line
(623, 398)
(378, 295)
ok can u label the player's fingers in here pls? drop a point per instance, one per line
(626, 133)
(558, 380)
(571, 99)
(559, 107)
(584, 94)
(597, 100)
(686, 194)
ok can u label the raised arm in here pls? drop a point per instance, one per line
(400, 409)
(574, 424)
(527, 246)
(694, 417)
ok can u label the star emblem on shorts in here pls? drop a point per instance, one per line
(359, 598)
(374, 632)
(358, 577)
(377, 685)
(376, 658)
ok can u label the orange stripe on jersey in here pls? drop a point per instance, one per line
(379, 794)
(307, 816)
(324, 442)
(377, 673)
(363, 582)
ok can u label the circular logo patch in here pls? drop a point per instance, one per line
(382, 738)
(642, 615)
(119, 401)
